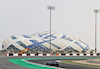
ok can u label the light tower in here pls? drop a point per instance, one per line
(96, 11)
(50, 8)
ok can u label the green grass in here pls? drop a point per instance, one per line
(71, 62)
(28, 65)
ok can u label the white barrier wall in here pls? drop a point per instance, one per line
(40, 54)
(94, 54)
(67, 54)
(32, 54)
(48, 54)
(81, 54)
(59, 54)
(74, 54)
(24, 55)
(88, 54)
(15, 54)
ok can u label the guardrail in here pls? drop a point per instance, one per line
(16, 54)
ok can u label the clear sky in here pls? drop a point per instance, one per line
(71, 17)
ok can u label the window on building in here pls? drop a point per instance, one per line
(26, 36)
(13, 37)
(20, 43)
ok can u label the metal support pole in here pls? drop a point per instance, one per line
(96, 11)
(95, 32)
(50, 30)
(50, 8)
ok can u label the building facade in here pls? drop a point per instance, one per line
(41, 42)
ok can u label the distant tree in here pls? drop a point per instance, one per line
(91, 52)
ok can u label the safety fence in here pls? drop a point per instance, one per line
(16, 54)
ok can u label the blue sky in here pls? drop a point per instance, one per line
(71, 17)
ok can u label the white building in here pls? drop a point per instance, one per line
(41, 42)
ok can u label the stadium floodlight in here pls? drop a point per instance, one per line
(96, 11)
(50, 8)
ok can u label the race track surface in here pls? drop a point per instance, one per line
(5, 64)
(63, 65)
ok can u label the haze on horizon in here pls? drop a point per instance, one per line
(71, 17)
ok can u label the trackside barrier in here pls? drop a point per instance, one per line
(24, 55)
(16, 54)
(94, 54)
(10, 54)
(81, 54)
(44, 54)
(58, 54)
(84, 54)
(98, 54)
(19, 54)
(7, 55)
(71, 54)
(28, 54)
(36, 54)
(32, 54)
(40, 54)
(74, 54)
(62, 54)
(88, 54)
(67, 54)
(48, 54)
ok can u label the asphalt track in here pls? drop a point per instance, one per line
(5, 64)
(63, 65)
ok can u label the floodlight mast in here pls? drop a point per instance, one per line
(50, 8)
(96, 11)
